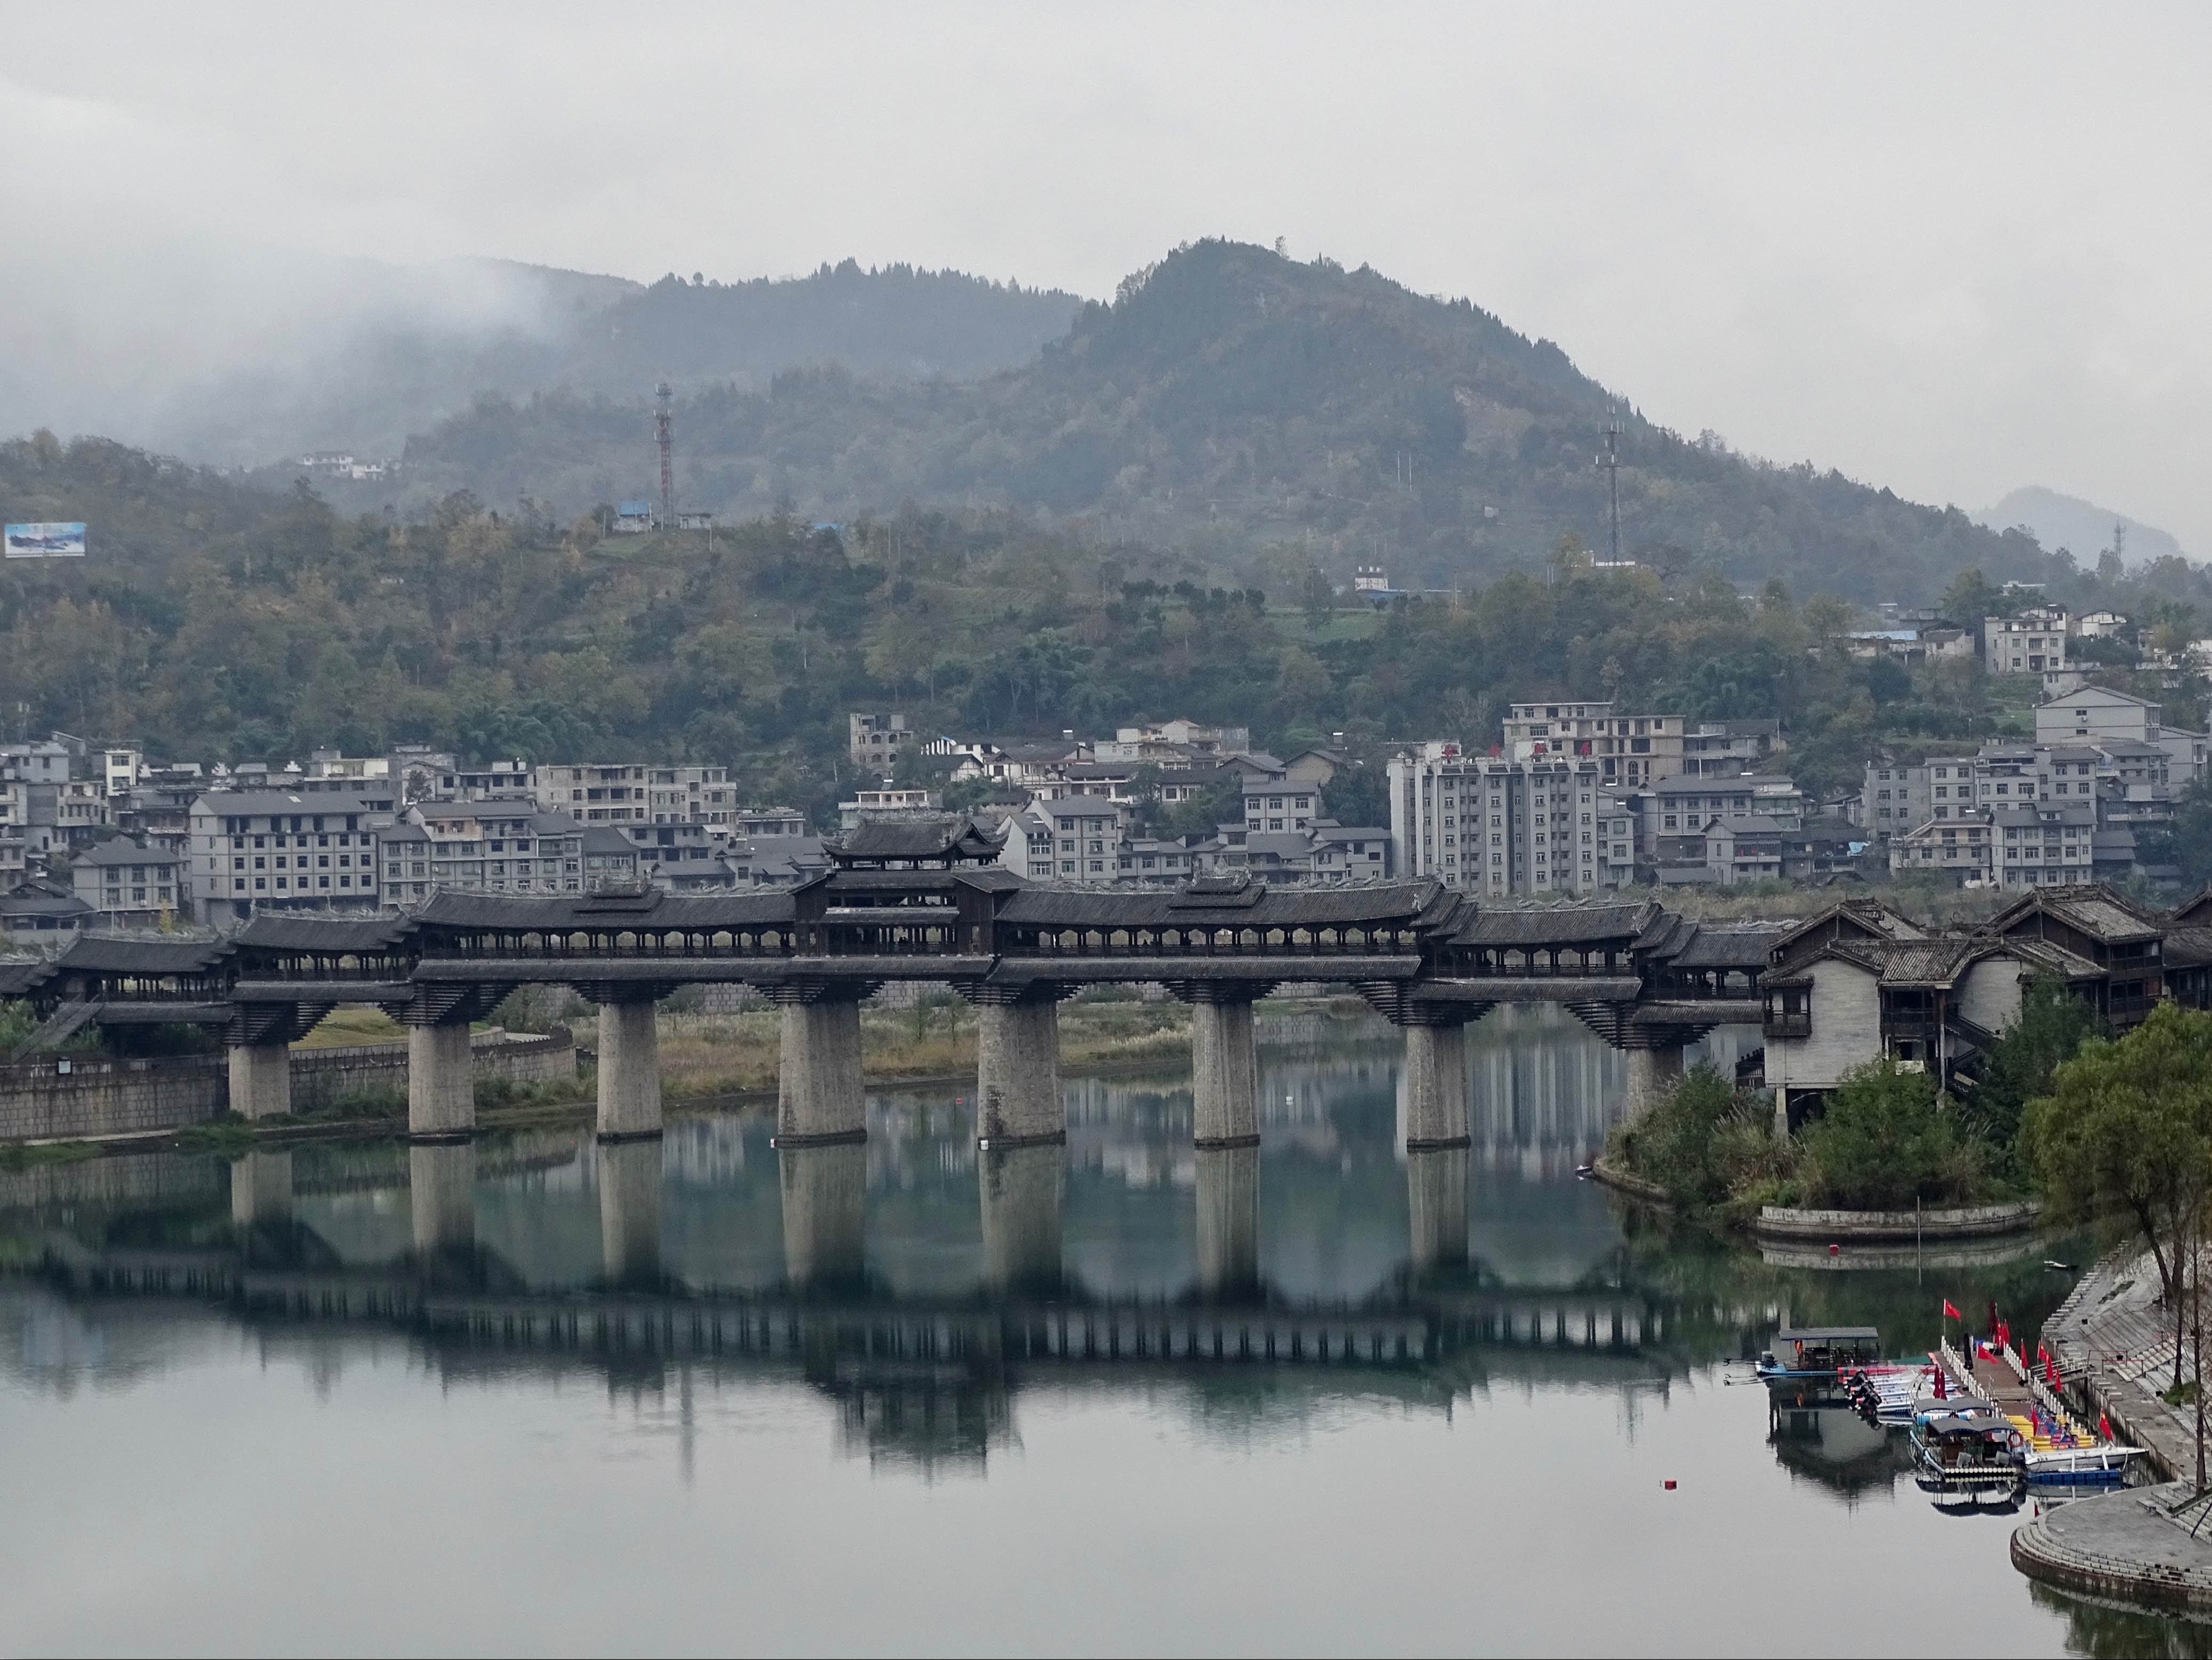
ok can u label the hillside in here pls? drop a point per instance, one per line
(217, 622)
(1230, 401)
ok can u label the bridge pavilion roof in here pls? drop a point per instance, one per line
(651, 912)
(1226, 903)
(1731, 945)
(104, 954)
(940, 841)
(331, 935)
(18, 978)
(1565, 924)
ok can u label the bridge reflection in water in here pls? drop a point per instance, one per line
(923, 1284)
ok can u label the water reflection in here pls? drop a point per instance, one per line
(924, 1302)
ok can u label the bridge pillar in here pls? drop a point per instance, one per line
(825, 1190)
(629, 1067)
(441, 1096)
(1228, 1219)
(1435, 1195)
(261, 1079)
(1432, 1085)
(1018, 1066)
(1021, 1188)
(261, 1189)
(1225, 1062)
(630, 1211)
(1652, 1073)
(820, 1098)
(441, 1193)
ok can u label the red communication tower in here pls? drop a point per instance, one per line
(664, 433)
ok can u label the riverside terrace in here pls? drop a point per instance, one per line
(923, 902)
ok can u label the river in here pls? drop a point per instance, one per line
(699, 1395)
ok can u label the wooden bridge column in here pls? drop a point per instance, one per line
(1021, 1188)
(1225, 1070)
(629, 1173)
(1228, 1219)
(825, 1190)
(820, 1098)
(1017, 1101)
(441, 1193)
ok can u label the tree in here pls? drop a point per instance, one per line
(2125, 1133)
(1885, 1141)
(2053, 1026)
(1318, 595)
(1358, 795)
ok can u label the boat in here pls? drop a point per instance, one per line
(1820, 1353)
(1968, 1453)
(2090, 1465)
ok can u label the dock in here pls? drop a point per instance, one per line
(2002, 1378)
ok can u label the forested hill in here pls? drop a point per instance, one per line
(1230, 401)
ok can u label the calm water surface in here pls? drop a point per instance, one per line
(699, 1395)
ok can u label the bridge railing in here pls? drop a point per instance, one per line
(1207, 942)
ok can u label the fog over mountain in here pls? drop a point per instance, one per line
(2081, 528)
(250, 362)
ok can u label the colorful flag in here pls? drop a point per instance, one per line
(1951, 1311)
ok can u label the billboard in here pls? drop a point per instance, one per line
(44, 541)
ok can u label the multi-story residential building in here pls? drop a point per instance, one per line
(40, 761)
(1020, 764)
(1073, 839)
(1498, 825)
(1629, 749)
(506, 846)
(1686, 804)
(261, 849)
(687, 857)
(2032, 643)
(1273, 806)
(1723, 748)
(1157, 859)
(1903, 795)
(868, 804)
(756, 823)
(1960, 849)
(635, 793)
(2044, 845)
(128, 884)
(2095, 714)
(60, 818)
(1724, 850)
(611, 860)
(1326, 854)
(877, 741)
(1168, 742)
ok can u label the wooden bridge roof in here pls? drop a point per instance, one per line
(1566, 924)
(1251, 906)
(327, 935)
(95, 954)
(652, 912)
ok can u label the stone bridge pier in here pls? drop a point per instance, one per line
(629, 1060)
(258, 1041)
(441, 1096)
(1652, 1046)
(1224, 1060)
(1017, 1102)
(820, 1098)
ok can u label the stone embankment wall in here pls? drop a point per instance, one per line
(61, 1099)
(1961, 1222)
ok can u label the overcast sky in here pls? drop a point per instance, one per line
(1951, 250)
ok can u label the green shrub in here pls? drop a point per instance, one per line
(1885, 1139)
(1701, 1142)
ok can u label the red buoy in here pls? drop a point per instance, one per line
(1670, 1484)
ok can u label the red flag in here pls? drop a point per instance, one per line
(2051, 1371)
(2042, 1353)
(1951, 1311)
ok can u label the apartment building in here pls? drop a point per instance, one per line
(2097, 714)
(1072, 838)
(128, 884)
(506, 846)
(636, 793)
(1273, 806)
(868, 804)
(263, 849)
(1958, 850)
(1629, 749)
(2032, 643)
(1498, 825)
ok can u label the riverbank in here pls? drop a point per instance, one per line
(2114, 1345)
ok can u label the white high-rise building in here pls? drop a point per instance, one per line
(1539, 824)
